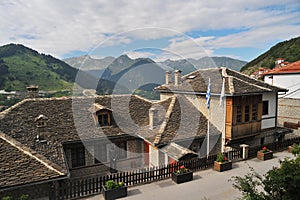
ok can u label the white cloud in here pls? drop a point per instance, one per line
(59, 27)
(138, 54)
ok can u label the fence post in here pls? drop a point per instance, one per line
(245, 151)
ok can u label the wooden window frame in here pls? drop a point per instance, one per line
(265, 109)
(122, 150)
(247, 113)
(100, 151)
(254, 112)
(78, 157)
(239, 114)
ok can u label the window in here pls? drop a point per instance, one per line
(239, 114)
(78, 157)
(247, 113)
(122, 150)
(265, 108)
(100, 153)
(103, 119)
(254, 112)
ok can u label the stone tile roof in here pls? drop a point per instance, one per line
(20, 165)
(178, 152)
(235, 83)
(182, 120)
(69, 119)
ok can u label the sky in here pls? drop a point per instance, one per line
(170, 29)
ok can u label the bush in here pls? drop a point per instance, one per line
(6, 198)
(24, 197)
(110, 184)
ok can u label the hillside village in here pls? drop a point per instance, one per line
(68, 147)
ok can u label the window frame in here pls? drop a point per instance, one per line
(122, 154)
(100, 150)
(265, 109)
(247, 113)
(239, 114)
(78, 157)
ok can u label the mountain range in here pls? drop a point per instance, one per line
(288, 50)
(115, 65)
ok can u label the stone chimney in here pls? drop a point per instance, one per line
(32, 91)
(168, 77)
(177, 77)
(153, 118)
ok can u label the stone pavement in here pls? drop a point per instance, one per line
(207, 184)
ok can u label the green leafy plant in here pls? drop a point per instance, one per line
(182, 170)
(24, 197)
(279, 183)
(296, 149)
(221, 158)
(110, 184)
(6, 198)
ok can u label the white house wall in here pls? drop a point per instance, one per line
(153, 156)
(289, 81)
(269, 120)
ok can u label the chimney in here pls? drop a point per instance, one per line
(32, 91)
(153, 118)
(168, 77)
(177, 77)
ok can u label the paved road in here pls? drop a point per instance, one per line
(207, 184)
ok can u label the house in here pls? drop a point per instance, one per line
(79, 136)
(287, 76)
(61, 138)
(248, 110)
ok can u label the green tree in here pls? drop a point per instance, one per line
(279, 183)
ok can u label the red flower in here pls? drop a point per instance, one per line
(182, 167)
(265, 148)
(225, 158)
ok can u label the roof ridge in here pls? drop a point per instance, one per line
(255, 85)
(205, 69)
(258, 86)
(142, 98)
(26, 150)
(165, 122)
(3, 113)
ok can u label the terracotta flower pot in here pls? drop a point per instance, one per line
(265, 155)
(222, 166)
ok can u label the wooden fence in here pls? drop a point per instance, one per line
(80, 187)
(275, 146)
(85, 186)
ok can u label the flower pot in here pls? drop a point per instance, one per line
(181, 178)
(265, 155)
(222, 166)
(114, 193)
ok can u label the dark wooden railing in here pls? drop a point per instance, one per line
(75, 188)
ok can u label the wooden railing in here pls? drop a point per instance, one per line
(81, 187)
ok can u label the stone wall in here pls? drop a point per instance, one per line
(134, 159)
(288, 111)
(38, 192)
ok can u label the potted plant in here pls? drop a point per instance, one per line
(222, 163)
(113, 190)
(265, 154)
(294, 149)
(182, 175)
